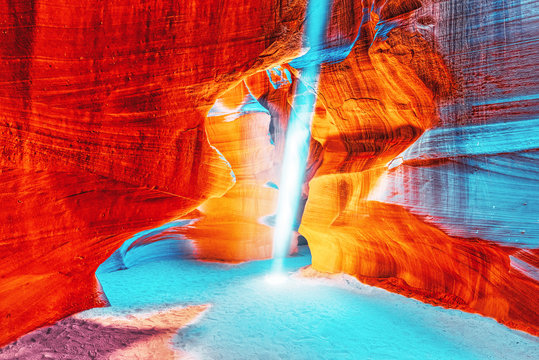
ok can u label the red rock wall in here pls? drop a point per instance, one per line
(86, 85)
(102, 130)
(56, 230)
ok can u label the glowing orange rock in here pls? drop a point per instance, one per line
(384, 245)
(233, 227)
(371, 107)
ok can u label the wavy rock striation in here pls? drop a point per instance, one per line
(451, 220)
(121, 116)
(103, 132)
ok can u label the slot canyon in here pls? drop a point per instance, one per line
(159, 157)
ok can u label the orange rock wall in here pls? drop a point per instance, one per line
(411, 70)
(232, 227)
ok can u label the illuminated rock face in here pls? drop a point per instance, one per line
(234, 227)
(421, 177)
(451, 220)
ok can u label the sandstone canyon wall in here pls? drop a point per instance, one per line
(120, 116)
(102, 130)
(450, 220)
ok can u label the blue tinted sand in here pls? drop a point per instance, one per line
(298, 318)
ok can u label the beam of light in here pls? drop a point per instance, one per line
(299, 129)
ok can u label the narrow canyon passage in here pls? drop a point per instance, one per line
(269, 179)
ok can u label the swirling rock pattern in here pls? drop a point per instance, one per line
(232, 227)
(102, 130)
(425, 113)
(451, 220)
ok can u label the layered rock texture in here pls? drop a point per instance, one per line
(103, 132)
(451, 219)
(120, 116)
